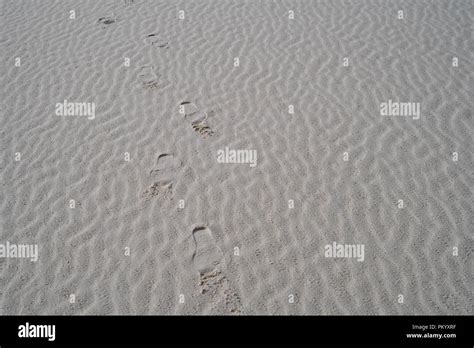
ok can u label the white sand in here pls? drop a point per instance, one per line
(281, 266)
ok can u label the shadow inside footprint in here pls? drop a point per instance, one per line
(106, 20)
(165, 166)
(207, 256)
(196, 118)
(155, 40)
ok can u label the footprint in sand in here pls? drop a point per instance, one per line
(208, 261)
(162, 175)
(207, 255)
(107, 20)
(196, 118)
(147, 77)
(156, 41)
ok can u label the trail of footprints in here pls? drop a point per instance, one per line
(208, 261)
(149, 79)
(147, 76)
(162, 175)
(207, 257)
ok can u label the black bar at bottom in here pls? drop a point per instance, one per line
(135, 330)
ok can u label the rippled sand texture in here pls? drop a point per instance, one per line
(236, 247)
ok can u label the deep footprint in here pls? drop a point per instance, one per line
(106, 20)
(162, 175)
(216, 286)
(156, 41)
(147, 77)
(207, 255)
(159, 188)
(165, 164)
(208, 261)
(196, 118)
